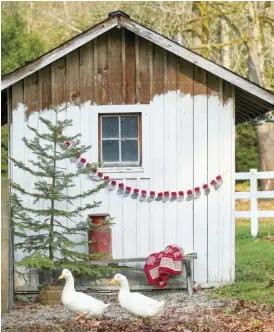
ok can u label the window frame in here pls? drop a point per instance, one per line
(139, 140)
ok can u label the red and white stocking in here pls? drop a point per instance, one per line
(181, 196)
(166, 196)
(143, 196)
(197, 192)
(112, 185)
(81, 163)
(159, 197)
(135, 194)
(189, 196)
(120, 188)
(214, 184)
(98, 176)
(127, 191)
(206, 189)
(151, 196)
(173, 196)
(93, 170)
(219, 180)
(75, 158)
(66, 145)
(106, 179)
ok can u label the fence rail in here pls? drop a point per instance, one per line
(253, 195)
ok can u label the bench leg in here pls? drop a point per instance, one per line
(189, 282)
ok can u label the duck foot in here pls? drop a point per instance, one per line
(79, 316)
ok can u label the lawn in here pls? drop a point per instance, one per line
(254, 260)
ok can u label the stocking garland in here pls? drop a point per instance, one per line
(165, 196)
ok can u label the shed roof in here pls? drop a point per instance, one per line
(251, 99)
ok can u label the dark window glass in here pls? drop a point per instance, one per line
(129, 127)
(110, 149)
(110, 127)
(129, 150)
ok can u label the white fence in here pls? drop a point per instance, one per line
(253, 195)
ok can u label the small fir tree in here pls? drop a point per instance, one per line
(45, 237)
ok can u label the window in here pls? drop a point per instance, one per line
(120, 141)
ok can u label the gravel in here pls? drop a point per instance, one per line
(26, 316)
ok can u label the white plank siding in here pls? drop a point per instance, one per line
(187, 141)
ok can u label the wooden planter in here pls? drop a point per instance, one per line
(50, 295)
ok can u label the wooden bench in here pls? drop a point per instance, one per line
(185, 268)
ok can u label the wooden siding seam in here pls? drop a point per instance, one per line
(124, 66)
(137, 52)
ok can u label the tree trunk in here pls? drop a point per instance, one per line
(225, 54)
(265, 132)
(266, 152)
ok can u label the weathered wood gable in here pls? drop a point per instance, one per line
(118, 67)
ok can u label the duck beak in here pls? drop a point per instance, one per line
(62, 276)
(112, 282)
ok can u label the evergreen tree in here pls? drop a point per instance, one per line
(46, 239)
(17, 44)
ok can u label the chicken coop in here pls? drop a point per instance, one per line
(161, 119)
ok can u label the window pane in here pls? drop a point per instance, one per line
(129, 150)
(110, 151)
(129, 126)
(110, 127)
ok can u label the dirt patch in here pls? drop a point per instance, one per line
(197, 314)
(268, 238)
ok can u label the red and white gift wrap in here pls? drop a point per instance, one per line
(112, 185)
(173, 196)
(197, 192)
(151, 196)
(127, 191)
(159, 266)
(206, 189)
(143, 196)
(159, 197)
(81, 163)
(135, 193)
(181, 196)
(98, 176)
(189, 196)
(120, 188)
(166, 196)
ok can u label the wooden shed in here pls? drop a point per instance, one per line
(178, 112)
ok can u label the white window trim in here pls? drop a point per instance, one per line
(119, 139)
(127, 171)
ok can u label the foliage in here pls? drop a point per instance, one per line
(247, 155)
(254, 265)
(4, 151)
(44, 229)
(17, 44)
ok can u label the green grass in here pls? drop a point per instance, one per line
(254, 265)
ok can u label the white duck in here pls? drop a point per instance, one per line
(136, 303)
(83, 305)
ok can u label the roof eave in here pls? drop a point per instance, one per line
(197, 60)
(58, 52)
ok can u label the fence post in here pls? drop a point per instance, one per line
(253, 202)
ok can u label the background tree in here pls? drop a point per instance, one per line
(224, 31)
(18, 45)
